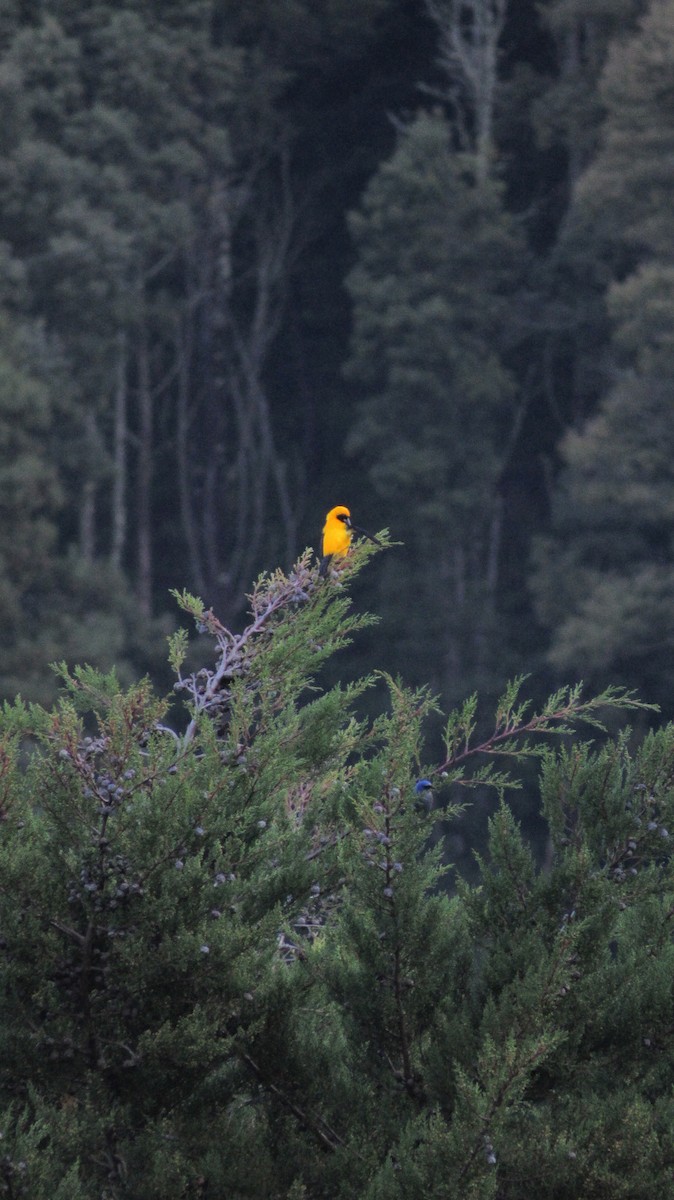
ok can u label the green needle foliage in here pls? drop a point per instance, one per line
(234, 965)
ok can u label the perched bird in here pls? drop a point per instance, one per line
(337, 533)
(423, 796)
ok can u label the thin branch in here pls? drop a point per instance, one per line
(324, 1132)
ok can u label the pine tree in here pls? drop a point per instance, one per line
(437, 264)
(29, 484)
(562, 105)
(51, 601)
(569, 111)
(230, 965)
(604, 576)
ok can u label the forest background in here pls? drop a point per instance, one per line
(415, 256)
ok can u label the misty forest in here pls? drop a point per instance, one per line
(355, 882)
(412, 256)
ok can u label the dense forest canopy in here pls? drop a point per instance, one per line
(256, 260)
(410, 255)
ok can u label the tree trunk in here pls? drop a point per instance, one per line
(88, 521)
(144, 479)
(185, 488)
(119, 466)
(88, 509)
(469, 37)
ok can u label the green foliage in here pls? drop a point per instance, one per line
(632, 171)
(438, 263)
(52, 604)
(77, 609)
(569, 110)
(234, 964)
(518, 729)
(603, 577)
(30, 494)
(436, 260)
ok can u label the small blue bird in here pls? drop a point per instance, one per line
(423, 791)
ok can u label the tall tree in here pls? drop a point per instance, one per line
(569, 110)
(30, 492)
(549, 127)
(437, 266)
(150, 187)
(54, 603)
(605, 576)
(468, 57)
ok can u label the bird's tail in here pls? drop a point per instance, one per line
(364, 533)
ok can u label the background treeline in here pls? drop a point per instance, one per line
(411, 255)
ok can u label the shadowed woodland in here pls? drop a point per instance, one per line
(409, 255)
(258, 260)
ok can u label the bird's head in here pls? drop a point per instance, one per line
(340, 513)
(423, 795)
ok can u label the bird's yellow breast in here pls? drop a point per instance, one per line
(336, 533)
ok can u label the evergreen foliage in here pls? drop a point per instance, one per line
(232, 964)
(604, 575)
(436, 274)
(52, 601)
(148, 190)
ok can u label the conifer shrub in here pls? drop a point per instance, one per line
(233, 964)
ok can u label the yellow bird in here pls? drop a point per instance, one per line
(337, 533)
